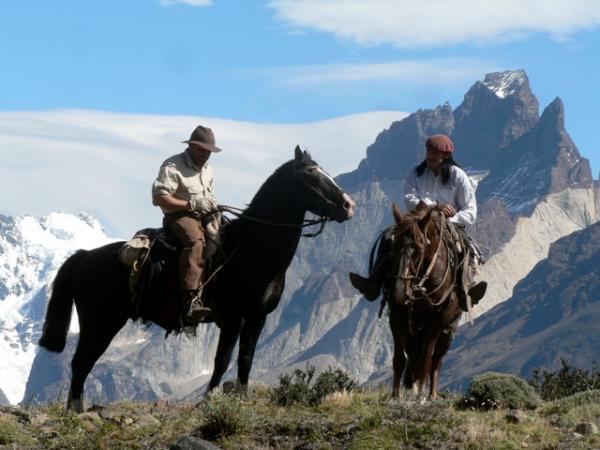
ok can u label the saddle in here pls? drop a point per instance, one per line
(152, 255)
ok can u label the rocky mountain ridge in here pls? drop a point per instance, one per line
(553, 313)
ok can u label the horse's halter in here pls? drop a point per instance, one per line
(410, 268)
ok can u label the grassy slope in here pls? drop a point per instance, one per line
(365, 420)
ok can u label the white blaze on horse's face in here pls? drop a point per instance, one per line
(349, 204)
(320, 170)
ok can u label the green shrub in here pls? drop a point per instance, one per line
(331, 381)
(498, 390)
(8, 432)
(296, 388)
(14, 435)
(566, 381)
(566, 404)
(224, 415)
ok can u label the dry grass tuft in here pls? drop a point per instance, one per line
(339, 399)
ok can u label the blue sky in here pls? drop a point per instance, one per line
(295, 60)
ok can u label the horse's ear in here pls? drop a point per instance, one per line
(397, 214)
(297, 154)
(424, 217)
(421, 206)
(306, 156)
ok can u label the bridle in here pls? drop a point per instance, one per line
(322, 220)
(240, 214)
(414, 281)
(302, 200)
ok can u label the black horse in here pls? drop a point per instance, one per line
(260, 244)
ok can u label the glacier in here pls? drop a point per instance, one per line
(31, 251)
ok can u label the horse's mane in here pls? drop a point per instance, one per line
(415, 215)
(274, 188)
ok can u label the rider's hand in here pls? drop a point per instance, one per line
(203, 205)
(447, 209)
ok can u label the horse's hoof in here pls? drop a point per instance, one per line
(75, 405)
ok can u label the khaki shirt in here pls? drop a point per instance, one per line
(180, 177)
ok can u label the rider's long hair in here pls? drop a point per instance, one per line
(444, 170)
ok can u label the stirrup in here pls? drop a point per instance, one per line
(193, 308)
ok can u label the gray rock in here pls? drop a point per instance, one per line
(110, 414)
(586, 428)
(39, 418)
(515, 416)
(90, 421)
(193, 443)
(147, 420)
(17, 413)
(91, 416)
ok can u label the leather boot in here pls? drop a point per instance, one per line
(193, 309)
(365, 286)
(477, 292)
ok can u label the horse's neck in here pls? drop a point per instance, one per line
(278, 232)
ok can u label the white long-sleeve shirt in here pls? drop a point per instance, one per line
(458, 192)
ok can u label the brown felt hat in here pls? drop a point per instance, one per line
(203, 137)
(440, 142)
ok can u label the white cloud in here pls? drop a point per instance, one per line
(412, 23)
(104, 163)
(186, 2)
(432, 72)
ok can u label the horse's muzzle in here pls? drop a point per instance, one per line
(346, 211)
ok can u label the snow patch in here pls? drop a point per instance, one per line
(31, 251)
(504, 84)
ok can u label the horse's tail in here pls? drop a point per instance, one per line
(60, 306)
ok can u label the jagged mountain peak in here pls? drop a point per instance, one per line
(507, 83)
(554, 114)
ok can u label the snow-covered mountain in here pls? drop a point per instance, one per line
(31, 250)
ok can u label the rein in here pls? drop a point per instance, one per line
(419, 287)
(239, 213)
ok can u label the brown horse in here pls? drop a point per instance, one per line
(423, 296)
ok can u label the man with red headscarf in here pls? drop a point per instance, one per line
(437, 181)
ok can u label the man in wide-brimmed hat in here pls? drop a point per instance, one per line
(184, 192)
(436, 181)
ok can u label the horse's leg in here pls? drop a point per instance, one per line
(248, 339)
(94, 338)
(230, 331)
(441, 347)
(399, 364)
(399, 361)
(408, 377)
(424, 365)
